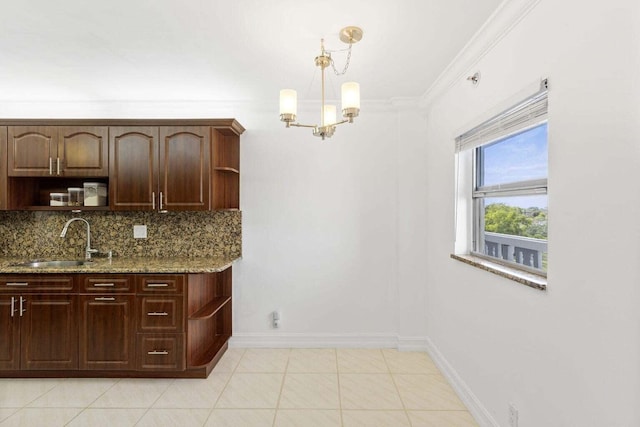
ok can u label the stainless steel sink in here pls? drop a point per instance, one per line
(55, 263)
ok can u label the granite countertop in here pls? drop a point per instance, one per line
(125, 265)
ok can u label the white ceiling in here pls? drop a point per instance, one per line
(94, 50)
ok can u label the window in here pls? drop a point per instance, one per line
(510, 199)
(509, 162)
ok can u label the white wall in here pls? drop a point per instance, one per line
(569, 356)
(319, 233)
(412, 227)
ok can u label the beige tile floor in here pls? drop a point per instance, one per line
(252, 387)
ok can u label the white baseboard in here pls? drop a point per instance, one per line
(471, 401)
(292, 340)
(412, 344)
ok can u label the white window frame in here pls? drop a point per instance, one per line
(530, 112)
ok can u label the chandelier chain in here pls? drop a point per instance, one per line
(344, 70)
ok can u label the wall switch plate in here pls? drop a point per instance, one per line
(139, 231)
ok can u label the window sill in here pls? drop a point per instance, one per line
(527, 279)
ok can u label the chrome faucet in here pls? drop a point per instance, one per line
(88, 251)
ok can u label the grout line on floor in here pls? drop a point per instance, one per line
(339, 392)
(284, 376)
(233, 371)
(154, 402)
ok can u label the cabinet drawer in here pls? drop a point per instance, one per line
(163, 283)
(50, 283)
(106, 284)
(160, 352)
(160, 314)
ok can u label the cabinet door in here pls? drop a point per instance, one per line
(32, 150)
(9, 333)
(184, 167)
(133, 168)
(49, 332)
(107, 332)
(3, 168)
(83, 151)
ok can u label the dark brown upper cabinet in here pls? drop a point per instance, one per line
(58, 151)
(160, 168)
(3, 168)
(148, 164)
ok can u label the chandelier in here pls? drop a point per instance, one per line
(350, 92)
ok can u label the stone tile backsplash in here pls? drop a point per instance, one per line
(184, 234)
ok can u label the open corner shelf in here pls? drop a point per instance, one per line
(206, 357)
(226, 169)
(211, 308)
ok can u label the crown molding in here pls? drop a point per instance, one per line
(159, 109)
(499, 24)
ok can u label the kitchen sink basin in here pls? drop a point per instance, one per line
(55, 263)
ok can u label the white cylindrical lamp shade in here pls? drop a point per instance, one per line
(350, 95)
(329, 115)
(288, 102)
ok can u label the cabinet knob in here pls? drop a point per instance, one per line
(157, 352)
(158, 313)
(158, 285)
(104, 299)
(17, 284)
(103, 285)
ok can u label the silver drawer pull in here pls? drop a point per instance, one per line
(103, 285)
(104, 299)
(157, 352)
(157, 313)
(17, 284)
(158, 285)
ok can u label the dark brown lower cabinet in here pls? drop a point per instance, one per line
(107, 332)
(130, 325)
(38, 332)
(9, 334)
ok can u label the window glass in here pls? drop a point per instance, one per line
(520, 157)
(510, 202)
(515, 229)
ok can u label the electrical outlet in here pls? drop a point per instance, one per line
(276, 319)
(139, 231)
(513, 415)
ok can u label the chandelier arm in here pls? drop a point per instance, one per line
(300, 125)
